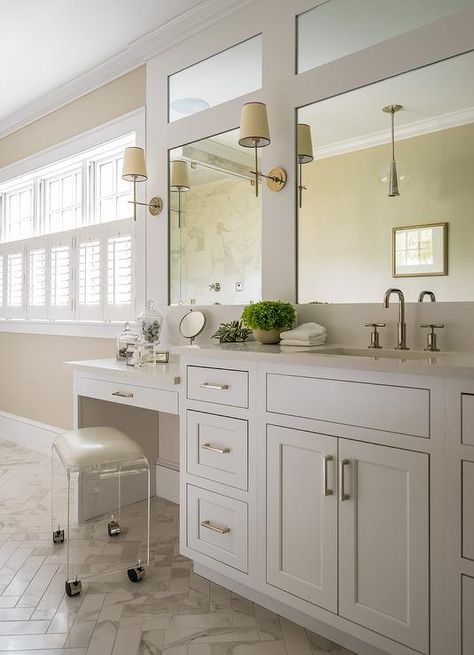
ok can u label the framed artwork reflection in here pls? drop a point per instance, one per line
(420, 250)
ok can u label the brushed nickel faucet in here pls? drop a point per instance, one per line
(402, 326)
(430, 295)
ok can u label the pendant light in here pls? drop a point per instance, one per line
(393, 180)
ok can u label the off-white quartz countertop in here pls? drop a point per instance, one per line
(156, 375)
(443, 364)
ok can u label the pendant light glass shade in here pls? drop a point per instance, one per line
(134, 167)
(179, 176)
(254, 131)
(304, 144)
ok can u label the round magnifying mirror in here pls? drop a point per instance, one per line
(192, 324)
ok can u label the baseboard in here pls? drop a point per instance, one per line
(27, 433)
(167, 483)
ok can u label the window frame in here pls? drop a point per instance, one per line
(61, 321)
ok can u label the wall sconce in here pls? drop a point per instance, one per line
(304, 150)
(254, 133)
(134, 170)
(179, 182)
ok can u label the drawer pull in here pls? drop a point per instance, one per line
(342, 482)
(216, 387)
(214, 527)
(326, 491)
(123, 394)
(214, 449)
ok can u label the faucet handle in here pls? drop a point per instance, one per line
(374, 335)
(431, 337)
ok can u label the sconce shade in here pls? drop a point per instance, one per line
(134, 167)
(254, 132)
(179, 176)
(304, 144)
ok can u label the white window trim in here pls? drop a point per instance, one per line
(131, 122)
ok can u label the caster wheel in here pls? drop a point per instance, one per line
(58, 536)
(113, 528)
(73, 588)
(136, 574)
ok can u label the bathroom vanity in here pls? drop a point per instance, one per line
(334, 489)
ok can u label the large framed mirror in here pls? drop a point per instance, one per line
(393, 158)
(215, 223)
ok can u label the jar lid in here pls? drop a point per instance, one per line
(127, 334)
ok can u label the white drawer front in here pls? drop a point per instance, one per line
(129, 394)
(217, 527)
(218, 385)
(382, 407)
(217, 448)
(467, 418)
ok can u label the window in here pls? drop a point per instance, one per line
(67, 239)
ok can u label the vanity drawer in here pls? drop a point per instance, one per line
(467, 419)
(129, 394)
(217, 448)
(217, 527)
(404, 410)
(218, 385)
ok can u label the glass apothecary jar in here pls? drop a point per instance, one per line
(125, 343)
(150, 322)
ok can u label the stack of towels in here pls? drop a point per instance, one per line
(306, 334)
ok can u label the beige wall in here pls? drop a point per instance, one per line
(34, 383)
(345, 226)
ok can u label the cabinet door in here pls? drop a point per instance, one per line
(384, 541)
(302, 515)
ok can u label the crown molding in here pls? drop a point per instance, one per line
(136, 54)
(417, 128)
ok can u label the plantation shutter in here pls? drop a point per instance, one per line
(2, 294)
(90, 254)
(37, 260)
(119, 303)
(61, 277)
(15, 287)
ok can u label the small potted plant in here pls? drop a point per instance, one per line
(268, 318)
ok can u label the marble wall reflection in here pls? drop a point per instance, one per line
(219, 241)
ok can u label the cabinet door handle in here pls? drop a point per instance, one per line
(216, 387)
(123, 394)
(342, 482)
(215, 449)
(326, 491)
(214, 527)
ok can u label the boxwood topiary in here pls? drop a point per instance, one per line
(269, 315)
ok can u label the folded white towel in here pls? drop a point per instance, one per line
(304, 342)
(304, 331)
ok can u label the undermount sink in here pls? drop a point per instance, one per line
(373, 353)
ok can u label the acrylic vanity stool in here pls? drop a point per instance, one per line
(98, 456)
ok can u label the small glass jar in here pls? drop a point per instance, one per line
(125, 343)
(150, 323)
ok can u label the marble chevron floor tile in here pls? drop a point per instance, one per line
(172, 611)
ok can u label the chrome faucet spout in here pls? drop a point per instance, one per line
(402, 328)
(430, 295)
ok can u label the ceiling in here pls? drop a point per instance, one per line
(46, 43)
(432, 97)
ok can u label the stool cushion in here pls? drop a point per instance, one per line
(88, 446)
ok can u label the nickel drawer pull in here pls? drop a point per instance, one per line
(326, 491)
(217, 387)
(123, 394)
(342, 483)
(214, 449)
(214, 527)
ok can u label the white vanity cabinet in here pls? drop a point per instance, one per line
(317, 498)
